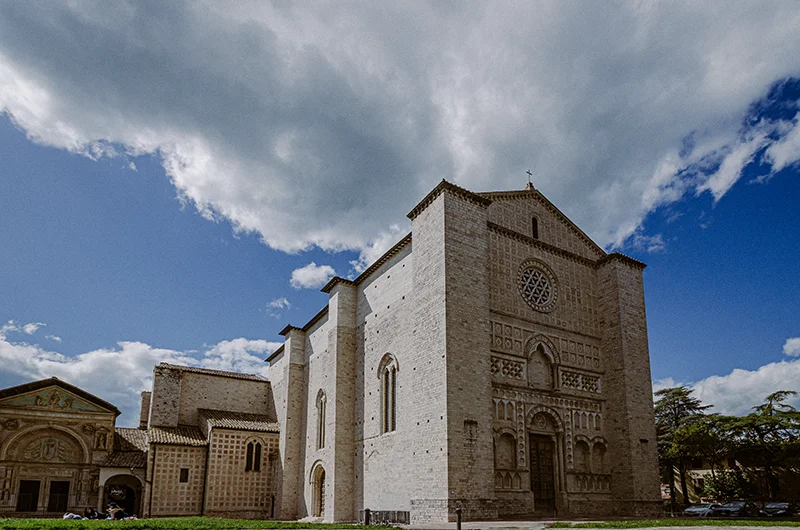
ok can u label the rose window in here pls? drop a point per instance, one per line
(537, 285)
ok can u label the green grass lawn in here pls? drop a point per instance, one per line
(188, 523)
(647, 523)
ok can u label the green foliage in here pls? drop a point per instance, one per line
(675, 411)
(728, 484)
(173, 523)
(764, 443)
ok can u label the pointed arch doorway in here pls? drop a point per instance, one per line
(318, 495)
(544, 441)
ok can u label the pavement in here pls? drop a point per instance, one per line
(541, 524)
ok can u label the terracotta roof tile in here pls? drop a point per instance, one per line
(240, 421)
(176, 436)
(126, 459)
(221, 373)
(127, 439)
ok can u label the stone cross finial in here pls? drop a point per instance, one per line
(529, 185)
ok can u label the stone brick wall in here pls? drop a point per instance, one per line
(427, 365)
(630, 422)
(166, 397)
(204, 391)
(384, 327)
(469, 389)
(170, 495)
(515, 210)
(288, 378)
(232, 491)
(320, 376)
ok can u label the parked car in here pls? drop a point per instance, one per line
(735, 509)
(702, 509)
(780, 509)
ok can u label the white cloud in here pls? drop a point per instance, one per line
(730, 170)
(240, 355)
(312, 276)
(786, 151)
(32, 327)
(792, 347)
(740, 390)
(54, 338)
(120, 374)
(276, 307)
(325, 125)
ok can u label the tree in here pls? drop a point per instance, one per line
(768, 440)
(675, 408)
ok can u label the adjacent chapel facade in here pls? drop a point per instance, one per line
(494, 360)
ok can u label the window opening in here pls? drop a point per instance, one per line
(248, 466)
(535, 228)
(322, 405)
(184, 474)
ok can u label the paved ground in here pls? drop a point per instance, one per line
(539, 525)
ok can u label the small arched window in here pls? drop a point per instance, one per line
(387, 371)
(322, 404)
(505, 452)
(534, 228)
(253, 457)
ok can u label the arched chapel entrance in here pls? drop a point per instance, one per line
(126, 491)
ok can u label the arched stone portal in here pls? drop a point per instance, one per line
(318, 495)
(126, 491)
(545, 441)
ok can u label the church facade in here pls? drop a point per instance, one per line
(495, 360)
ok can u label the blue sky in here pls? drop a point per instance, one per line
(179, 180)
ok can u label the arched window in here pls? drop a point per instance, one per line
(534, 228)
(257, 458)
(540, 369)
(582, 457)
(505, 452)
(253, 457)
(387, 371)
(599, 458)
(322, 403)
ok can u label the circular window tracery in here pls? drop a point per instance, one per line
(537, 285)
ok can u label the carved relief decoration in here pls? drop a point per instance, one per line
(578, 381)
(49, 449)
(507, 368)
(54, 400)
(11, 424)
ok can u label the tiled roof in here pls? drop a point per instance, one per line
(126, 439)
(130, 449)
(176, 436)
(240, 421)
(221, 373)
(126, 459)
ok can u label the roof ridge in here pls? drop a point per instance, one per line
(211, 371)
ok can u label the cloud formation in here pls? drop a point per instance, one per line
(120, 374)
(792, 347)
(312, 276)
(739, 391)
(324, 125)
